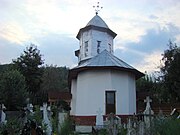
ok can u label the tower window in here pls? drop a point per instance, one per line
(110, 49)
(86, 49)
(98, 46)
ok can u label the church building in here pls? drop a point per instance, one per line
(100, 81)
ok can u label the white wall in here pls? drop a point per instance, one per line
(124, 84)
(91, 87)
(132, 94)
(74, 96)
(92, 36)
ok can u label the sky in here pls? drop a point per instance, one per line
(143, 29)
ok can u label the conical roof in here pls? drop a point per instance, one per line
(97, 21)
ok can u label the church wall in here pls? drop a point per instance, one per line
(132, 93)
(120, 84)
(91, 86)
(74, 97)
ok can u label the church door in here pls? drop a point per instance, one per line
(110, 102)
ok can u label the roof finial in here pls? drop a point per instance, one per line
(97, 8)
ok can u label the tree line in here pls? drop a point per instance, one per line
(28, 77)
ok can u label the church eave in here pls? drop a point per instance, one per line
(74, 72)
(102, 29)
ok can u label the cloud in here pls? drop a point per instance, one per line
(146, 53)
(14, 33)
(149, 63)
(153, 17)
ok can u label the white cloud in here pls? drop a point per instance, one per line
(14, 33)
(150, 62)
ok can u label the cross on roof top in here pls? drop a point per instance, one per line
(97, 8)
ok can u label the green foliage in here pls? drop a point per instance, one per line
(54, 110)
(29, 65)
(66, 128)
(55, 79)
(12, 127)
(5, 67)
(13, 89)
(37, 116)
(103, 132)
(145, 84)
(122, 131)
(63, 106)
(166, 126)
(171, 74)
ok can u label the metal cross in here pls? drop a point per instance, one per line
(97, 8)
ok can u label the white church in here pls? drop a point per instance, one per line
(100, 81)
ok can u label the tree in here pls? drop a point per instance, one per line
(145, 84)
(29, 64)
(171, 73)
(55, 79)
(13, 89)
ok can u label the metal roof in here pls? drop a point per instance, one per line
(105, 60)
(97, 21)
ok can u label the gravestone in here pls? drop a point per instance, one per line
(28, 111)
(2, 114)
(46, 118)
(141, 128)
(148, 112)
(62, 116)
(112, 124)
(99, 119)
(129, 127)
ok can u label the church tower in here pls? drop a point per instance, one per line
(94, 38)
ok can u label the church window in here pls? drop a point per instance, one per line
(98, 46)
(110, 102)
(86, 48)
(110, 48)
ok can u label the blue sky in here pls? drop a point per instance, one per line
(143, 28)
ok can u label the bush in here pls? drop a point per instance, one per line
(166, 126)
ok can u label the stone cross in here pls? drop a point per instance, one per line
(99, 118)
(148, 101)
(2, 114)
(28, 111)
(148, 112)
(46, 120)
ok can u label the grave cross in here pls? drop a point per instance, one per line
(2, 114)
(148, 101)
(99, 117)
(46, 120)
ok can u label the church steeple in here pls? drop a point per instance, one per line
(94, 38)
